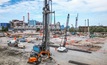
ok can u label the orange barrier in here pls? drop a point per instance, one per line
(14, 38)
(41, 34)
(86, 40)
(55, 36)
(72, 41)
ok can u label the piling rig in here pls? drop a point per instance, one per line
(42, 51)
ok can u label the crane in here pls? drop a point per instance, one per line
(62, 48)
(42, 51)
(76, 23)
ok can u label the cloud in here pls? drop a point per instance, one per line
(3, 1)
(21, 7)
(81, 5)
(85, 8)
(18, 10)
(61, 6)
(97, 5)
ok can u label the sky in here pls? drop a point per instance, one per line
(94, 10)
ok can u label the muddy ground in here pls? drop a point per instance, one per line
(15, 56)
(10, 56)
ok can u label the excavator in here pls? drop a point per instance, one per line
(42, 52)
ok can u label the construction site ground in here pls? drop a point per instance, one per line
(17, 56)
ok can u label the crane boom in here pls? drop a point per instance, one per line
(76, 23)
(66, 30)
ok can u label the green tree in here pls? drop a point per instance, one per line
(93, 29)
(38, 29)
(72, 29)
(100, 29)
(105, 29)
(4, 29)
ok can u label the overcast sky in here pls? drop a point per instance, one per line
(94, 10)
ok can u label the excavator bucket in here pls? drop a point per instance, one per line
(32, 59)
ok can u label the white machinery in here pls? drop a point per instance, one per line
(15, 43)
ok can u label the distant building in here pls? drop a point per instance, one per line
(32, 22)
(39, 25)
(4, 25)
(55, 26)
(33, 25)
(58, 26)
(83, 28)
(62, 27)
(15, 23)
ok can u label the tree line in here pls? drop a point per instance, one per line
(91, 28)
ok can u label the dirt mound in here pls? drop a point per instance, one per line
(9, 62)
(10, 56)
(3, 48)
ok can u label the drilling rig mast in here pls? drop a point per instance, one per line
(41, 51)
